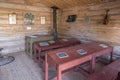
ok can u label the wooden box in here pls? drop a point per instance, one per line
(29, 40)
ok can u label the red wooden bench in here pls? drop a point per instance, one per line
(109, 72)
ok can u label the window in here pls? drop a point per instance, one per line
(12, 18)
(42, 20)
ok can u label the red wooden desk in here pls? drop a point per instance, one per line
(57, 44)
(74, 59)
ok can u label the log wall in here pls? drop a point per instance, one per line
(12, 35)
(93, 29)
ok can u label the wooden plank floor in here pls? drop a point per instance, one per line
(24, 68)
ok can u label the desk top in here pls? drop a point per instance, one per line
(91, 49)
(58, 43)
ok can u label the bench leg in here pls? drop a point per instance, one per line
(35, 54)
(111, 57)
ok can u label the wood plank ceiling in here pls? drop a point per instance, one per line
(63, 3)
(59, 3)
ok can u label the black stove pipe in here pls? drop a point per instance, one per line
(55, 22)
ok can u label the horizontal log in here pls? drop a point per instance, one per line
(24, 7)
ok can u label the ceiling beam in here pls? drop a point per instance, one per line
(30, 2)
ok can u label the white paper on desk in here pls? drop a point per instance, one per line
(103, 45)
(81, 51)
(43, 44)
(64, 39)
(62, 54)
(51, 41)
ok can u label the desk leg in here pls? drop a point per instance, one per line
(111, 56)
(59, 73)
(92, 65)
(35, 52)
(39, 60)
(46, 68)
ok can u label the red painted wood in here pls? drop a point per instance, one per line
(107, 73)
(46, 68)
(93, 50)
(58, 44)
(59, 72)
(92, 64)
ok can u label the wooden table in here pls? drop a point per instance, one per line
(74, 59)
(57, 44)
